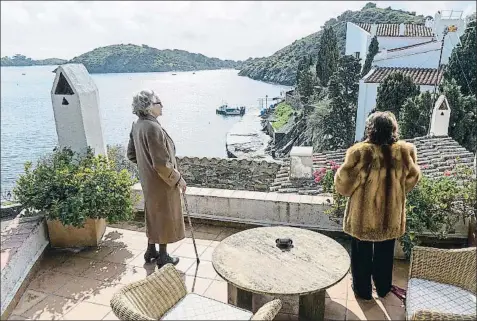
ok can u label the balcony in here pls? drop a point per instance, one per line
(78, 285)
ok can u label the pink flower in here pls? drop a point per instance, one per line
(323, 170)
(425, 166)
(317, 179)
(447, 173)
(335, 167)
(332, 163)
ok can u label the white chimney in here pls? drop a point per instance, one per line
(402, 28)
(374, 29)
(429, 22)
(301, 162)
(440, 117)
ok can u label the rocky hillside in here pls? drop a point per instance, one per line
(281, 66)
(133, 58)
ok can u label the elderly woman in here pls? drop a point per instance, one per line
(153, 150)
(376, 175)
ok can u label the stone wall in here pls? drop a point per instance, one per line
(223, 173)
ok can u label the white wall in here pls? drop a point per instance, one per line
(357, 40)
(426, 56)
(367, 101)
(398, 42)
(68, 121)
(442, 23)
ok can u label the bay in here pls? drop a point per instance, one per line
(28, 126)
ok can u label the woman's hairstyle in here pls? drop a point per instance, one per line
(382, 128)
(142, 102)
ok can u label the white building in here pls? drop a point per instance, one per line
(426, 78)
(407, 45)
(414, 49)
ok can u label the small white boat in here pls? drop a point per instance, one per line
(230, 111)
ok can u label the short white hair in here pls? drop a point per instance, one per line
(142, 102)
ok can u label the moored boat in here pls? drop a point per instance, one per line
(230, 111)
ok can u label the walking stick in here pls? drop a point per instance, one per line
(190, 225)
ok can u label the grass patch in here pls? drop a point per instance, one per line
(282, 114)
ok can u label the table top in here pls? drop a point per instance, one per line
(250, 260)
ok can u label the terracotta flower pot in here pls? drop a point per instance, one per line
(69, 236)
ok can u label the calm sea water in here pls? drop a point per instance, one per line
(28, 127)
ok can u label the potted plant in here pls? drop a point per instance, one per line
(78, 194)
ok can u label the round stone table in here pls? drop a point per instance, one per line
(258, 271)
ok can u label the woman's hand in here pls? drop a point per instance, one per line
(182, 185)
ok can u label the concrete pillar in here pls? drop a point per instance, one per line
(373, 30)
(402, 29)
(301, 162)
(75, 101)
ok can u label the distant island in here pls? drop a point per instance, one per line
(132, 58)
(21, 61)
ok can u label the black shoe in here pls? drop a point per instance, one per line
(151, 254)
(364, 297)
(383, 294)
(166, 259)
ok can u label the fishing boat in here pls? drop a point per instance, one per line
(230, 111)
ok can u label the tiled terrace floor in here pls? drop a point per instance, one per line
(79, 286)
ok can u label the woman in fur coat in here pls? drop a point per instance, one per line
(376, 176)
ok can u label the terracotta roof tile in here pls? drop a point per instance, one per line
(392, 30)
(420, 76)
(435, 155)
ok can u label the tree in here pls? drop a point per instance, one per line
(369, 5)
(462, 63)
(328, 55)
(394, 91)
(372, 51)
(414, 119)
(305, 84)
(463, 116)
(339, 124)
(301, 66)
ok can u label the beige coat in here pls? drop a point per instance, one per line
(153, 150)
(377, 180)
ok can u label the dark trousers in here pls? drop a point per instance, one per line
(372, 260)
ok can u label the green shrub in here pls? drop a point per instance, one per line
(73, 188)
(435, 205)
(117, 154)
(282, 114)
(325, 178)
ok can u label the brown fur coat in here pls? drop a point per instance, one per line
(377, 180)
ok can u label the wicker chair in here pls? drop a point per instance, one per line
(442, 284)
(163, 296)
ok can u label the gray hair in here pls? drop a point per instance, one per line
(142, 102)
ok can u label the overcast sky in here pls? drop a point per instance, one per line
(228, 30)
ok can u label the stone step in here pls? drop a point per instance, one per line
(288, 190)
